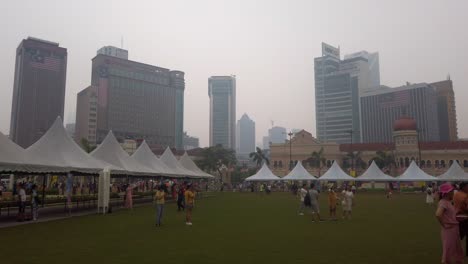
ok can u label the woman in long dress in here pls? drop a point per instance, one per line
(129, 197)
(430, 195)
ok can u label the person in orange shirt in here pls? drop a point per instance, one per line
(332, 200)
(460, 199)
(460, 202)
(189, 202)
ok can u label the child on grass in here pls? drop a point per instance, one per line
(446, 214)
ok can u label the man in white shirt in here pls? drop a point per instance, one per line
(302, 194)
(22, 198)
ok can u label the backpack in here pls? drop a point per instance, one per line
(307, 199)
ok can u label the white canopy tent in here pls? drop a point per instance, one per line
(145, 156)
(12, 156)
(56, 150)
(264, 174)
(299, 173)
(335, 173)
(171, 162)
(188, 164)
(111, 152)
(454, 173)
(414, 174)
(374, 174)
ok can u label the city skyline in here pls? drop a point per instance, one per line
(260, 53)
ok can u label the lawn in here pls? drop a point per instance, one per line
(236, 228)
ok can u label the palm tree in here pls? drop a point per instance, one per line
(87, 146)
(317, 160)
(258, 157)
(213, 158)
(384, 160)
(355, 157)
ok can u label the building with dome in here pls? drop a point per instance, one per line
(434, 157)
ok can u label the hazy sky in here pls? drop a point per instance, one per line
(269, 45)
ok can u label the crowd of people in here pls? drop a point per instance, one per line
(184, 193)
(309, 200)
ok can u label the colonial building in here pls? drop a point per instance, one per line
(435, 157)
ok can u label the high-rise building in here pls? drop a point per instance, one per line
(245, 138)
(266, 142)
(190, 142)
(38, 90)
(114, 52)
(382, 107)
(222, 92)
(86, 115)
(338, 85)
(70, 128)
(373, 63)
(135, 100)
(277, 135)
(446, 110)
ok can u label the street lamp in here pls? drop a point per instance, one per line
(350, 132)
(419, 146)
(290, 134)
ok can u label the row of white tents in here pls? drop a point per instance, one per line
(373, 174)
(57, 152)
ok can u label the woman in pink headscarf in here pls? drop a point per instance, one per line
(446, 214)
(129, 197)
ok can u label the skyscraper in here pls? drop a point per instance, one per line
(245, 138)
(190, 142)
(446, 110)
(373, 63)
(338, 85)
(135, 100)
(222, 92)
(86, 115)
(277, 135)
(39, 89)
(382, 107)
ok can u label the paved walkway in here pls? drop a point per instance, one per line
(57, 212)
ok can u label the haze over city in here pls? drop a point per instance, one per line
(269, 45)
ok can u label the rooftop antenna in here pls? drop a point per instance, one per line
(272, 123)
(121, 42)
(448, 77)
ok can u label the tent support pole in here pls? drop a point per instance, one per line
(44, 178)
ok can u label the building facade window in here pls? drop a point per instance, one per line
(442, 163)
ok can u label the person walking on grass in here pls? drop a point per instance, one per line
(181, 198)
(314, 204)
(347, 202)
(430, 194)
(446, 214)
(159, 199)
(303, 193)
(129, 196)
(189, 203)
(21, 202)
(332, 200)
(34, 202)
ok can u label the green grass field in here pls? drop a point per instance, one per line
(236, 228)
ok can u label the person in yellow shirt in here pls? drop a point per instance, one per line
(189, 202)
(332, 200)
(159, 199)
